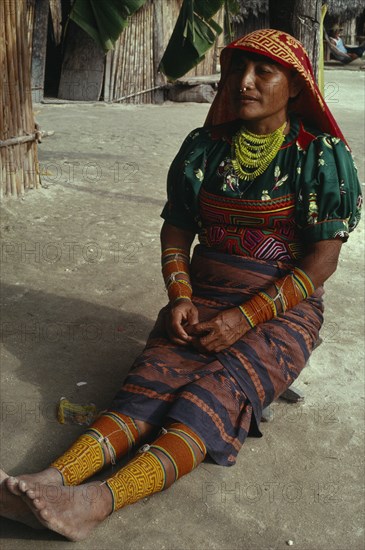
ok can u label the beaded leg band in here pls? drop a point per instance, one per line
(146, 473)
(290, 290)
(175, 271)
(110, 437)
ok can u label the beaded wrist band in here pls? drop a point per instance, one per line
(175, 271)
(271, 303)
(304, 282)
(291, 290)
(258, 310)
(171, 254)
(279, 297)
(170, 279)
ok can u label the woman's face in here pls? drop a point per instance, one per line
(260, 90)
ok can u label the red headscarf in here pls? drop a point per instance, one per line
(283, 48)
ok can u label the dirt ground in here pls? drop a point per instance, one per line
(81, 287)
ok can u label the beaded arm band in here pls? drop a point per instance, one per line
(291, 290)
(175, 271)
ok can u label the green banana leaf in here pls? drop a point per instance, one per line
(104, 20)
(194, 33)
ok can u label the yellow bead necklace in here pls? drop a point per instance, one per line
(252, 153)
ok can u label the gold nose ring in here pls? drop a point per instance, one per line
(243, 89)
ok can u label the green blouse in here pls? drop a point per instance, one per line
(314, 172)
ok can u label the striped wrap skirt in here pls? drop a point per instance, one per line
(221, 396)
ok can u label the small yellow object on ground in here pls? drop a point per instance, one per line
(73, 413)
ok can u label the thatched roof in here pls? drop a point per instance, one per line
(345, 9)
(250, 7)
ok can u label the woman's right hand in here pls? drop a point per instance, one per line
(181, 315)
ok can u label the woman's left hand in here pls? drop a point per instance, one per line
(220, 332)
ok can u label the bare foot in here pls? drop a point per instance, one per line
(19, 484)
(13, 507)
(70, 511)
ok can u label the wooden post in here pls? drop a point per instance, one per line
(158, 48)
(39, 48)
(107, 76)
(300, 18)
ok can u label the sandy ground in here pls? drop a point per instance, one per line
(81, 289)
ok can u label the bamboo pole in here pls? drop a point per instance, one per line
(31, 164)
(18, 140)
(136, 94)
(138, 39)
(149, 80)
(147, 52)
(117, 68)
(127, 63)
(113, 58)
(133, 72)
(3, 95)
(141, 46)
(21, 150)
(142, 51)
(152, 70)
(107, 76)
(4, 84)
(120, 64)
(14, 126)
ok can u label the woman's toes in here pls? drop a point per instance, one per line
(44, 514)
(13, 485)
(29, 494)
(23, 486)
(39, 504)
(36, 502)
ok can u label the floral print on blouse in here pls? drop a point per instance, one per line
(313, 171)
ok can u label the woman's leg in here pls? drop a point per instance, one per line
(356, 50)
(109, 438)
(75, 511)
(157, 466)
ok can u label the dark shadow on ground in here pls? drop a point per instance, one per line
(50, 344)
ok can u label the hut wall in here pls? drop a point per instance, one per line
(131, 68)
(30, 23)
(18, 146)
(171, 12)
(251, 23)
(349, 31)
(56, 17)
(360, 27)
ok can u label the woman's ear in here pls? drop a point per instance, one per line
(296, 85)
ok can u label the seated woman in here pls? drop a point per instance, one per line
(270, 187)
(339, 51)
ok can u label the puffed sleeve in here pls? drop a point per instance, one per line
(184, 180)
(329, 197)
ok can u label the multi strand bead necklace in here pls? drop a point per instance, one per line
(252, 153)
